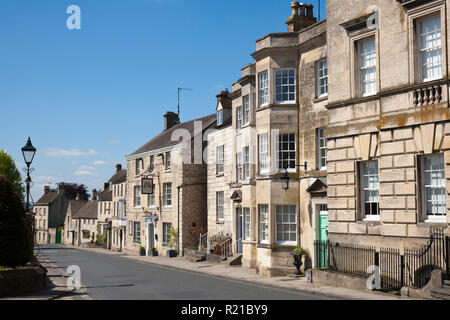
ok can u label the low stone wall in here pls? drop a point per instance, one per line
(336, 279)
(23, 280)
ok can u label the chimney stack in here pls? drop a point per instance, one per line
(94, 194)
(301, 18)
(46, 189)
(170, 119)
(105, 185)
(60, 188)
(118, 167)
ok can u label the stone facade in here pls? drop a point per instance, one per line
(41, 223)
(274, 121)
(399, 128)
(179, 188)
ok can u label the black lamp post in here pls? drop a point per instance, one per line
(28, 152)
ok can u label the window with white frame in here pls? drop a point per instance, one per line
(138, 166)
(285, 85)
(137, 196)
(220, 202)
(247, 219)
(152, 165)
(263, 146)
(321, 149)
(369, 190)
(367, 57)
(322, 78)
(434, 187)
(220, 159)
(167, 194)
(286, 151)
(246, 163)
(151, 200)
(246, 106)
(263, 91)
(166, 232)
(286, 224)
(168, 161)
(130, 228)
(239, 166)
(263, 223)
(137, 232)
(219, 117)
(429, 47)
(239, 118)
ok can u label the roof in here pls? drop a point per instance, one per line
(119, 177)
(76, 205)
(318, 187)
(88, 211)
(164, 139)
(47, 198)
(105, 195)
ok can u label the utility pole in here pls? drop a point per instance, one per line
(178, 105)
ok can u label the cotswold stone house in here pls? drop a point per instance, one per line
(50, 211)
(389, 130)
(70, 232)
(85, 223)
(278, 119)
(118, 183)
(104, 197)
(174, 160)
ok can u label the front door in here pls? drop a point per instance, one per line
(323, 235)
(58, 237)
(151, 236)
(239, 229)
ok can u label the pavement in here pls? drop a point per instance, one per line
(136, 277)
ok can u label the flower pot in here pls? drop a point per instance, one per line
(154, 253)
(171, 253)
(297, 263)
(142, 253)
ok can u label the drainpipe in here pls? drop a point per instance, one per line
(178, 209)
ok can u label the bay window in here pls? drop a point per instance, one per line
(286, 224)
(263, 223)
(285, 85)
(263, 90)
(286, 151)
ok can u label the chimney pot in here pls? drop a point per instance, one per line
(294, 7)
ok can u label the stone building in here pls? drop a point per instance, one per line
(70, 232)
(85, 223)
(278, 119)
(50, 211)
(104, 198)
(389, 131)
(174, 160)
(118, 185)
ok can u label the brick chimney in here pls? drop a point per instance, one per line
(302, 16)
(170, 119)
(46, 189)
(118, 167)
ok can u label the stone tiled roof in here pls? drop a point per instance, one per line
(105, 195)
(164, 139)
(76, 205)
(88, 211)
(119, 177)
(47, 198)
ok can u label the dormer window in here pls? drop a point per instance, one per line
(219, 117)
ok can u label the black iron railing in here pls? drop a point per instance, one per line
(412, 268)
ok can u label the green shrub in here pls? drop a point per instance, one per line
(301, 251)
(16, 239)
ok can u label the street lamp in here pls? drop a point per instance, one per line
(285, 177)
(28, 152)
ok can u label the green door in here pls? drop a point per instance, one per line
(58, 237)
(323, 235)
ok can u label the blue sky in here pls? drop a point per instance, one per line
(90, 97)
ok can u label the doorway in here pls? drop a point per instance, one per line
(150, 236)
(239, 233)
(322, 235)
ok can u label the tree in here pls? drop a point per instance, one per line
(16, 239)
(71, 190)
(9, 170)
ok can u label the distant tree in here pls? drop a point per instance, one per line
(9, 170)
(71, 190)
(16, 239)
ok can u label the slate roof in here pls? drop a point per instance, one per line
(47, 198)
(76, 205)
(119, 177)
(164, 139)
(105, 195)
(88, 211)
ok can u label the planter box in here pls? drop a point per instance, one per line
(154, 253)
(142, 253)
(171, 253)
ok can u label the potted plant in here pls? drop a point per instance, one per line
(142, 251)
(172, 252)
(153, 252)
(299, 255)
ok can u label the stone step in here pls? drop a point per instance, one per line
(235, 260)
(196, 258)
(214, 258)
(441, 293)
